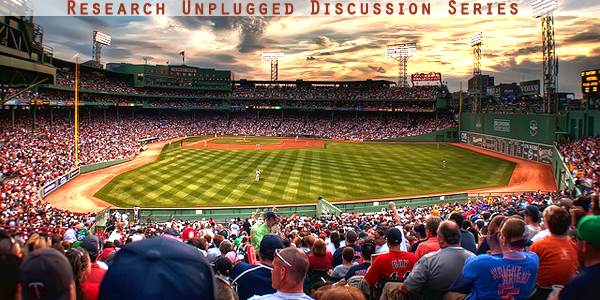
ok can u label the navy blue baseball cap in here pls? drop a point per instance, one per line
(158, 268)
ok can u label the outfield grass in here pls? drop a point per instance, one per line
(195, 177)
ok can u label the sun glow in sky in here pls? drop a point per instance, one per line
(343, 48)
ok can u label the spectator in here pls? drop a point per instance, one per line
(257, 280)
(394, 264)
(431, 244)
(347, 263)
(351, 238)
(290, 267)
(511, 276)
(557, 253)
(261, 229)
(435, 272)
(420, 235)
(320, 258)
(93, 245)
(584, 285)
(367, 249)
(467, 240)
(80, 264)
(9, 276)
(138, 272)
(46, 275)
(532, 218)
(343, 293)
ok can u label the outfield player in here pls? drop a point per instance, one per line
(257, 175)
(443, 164)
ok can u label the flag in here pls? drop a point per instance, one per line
(182, 53)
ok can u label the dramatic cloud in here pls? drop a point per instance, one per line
(377, 69)
(341, 48)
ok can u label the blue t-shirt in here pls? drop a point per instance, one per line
(251, 280)
(496, 277)
(358, 270)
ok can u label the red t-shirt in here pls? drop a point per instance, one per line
(321, 262)
(394, 264)
(96, 274)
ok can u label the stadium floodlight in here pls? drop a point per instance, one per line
(102, 38)
(99, 39)
(401, 53)
(273, 58)
(542, 8)
(475, 42)
(476, 38)
(407, 50)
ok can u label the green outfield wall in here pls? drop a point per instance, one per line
(540, 129)
(449, 135)
(222, 214)
(583, 123)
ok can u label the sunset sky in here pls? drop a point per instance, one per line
(343, 48)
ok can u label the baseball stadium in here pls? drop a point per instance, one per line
(124, 150)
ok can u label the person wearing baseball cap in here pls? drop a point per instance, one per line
(261, 229)
(46, 274)
(584, 285)
(158, 268)
(393, 263)
(256, 280)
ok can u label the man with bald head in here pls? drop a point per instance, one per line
(435, 272)
(289, 271)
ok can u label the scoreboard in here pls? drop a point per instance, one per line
(590, 81)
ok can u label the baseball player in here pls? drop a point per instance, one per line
(443, 164)
(257, 175)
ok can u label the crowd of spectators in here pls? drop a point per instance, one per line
(536, 243)
(583, 159)
(32, 156)
(96, 81)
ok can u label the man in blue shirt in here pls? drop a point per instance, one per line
(250, 280)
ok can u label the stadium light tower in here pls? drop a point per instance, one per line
(401, 53)
(475, 41)
(544, 9)
(273, 58)
(99, 39)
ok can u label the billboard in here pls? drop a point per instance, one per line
(431, 76)
(590, 81)
(521, 149)
(531, 87)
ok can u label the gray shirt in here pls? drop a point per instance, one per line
(435, 272)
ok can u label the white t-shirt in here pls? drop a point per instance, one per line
(281, 296)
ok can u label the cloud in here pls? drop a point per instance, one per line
(322, 41)
(377, 69)
(251, 30)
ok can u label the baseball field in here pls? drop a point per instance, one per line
(221, 172)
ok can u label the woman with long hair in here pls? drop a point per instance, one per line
(80, 263)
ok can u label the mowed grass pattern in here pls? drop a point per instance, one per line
(197, 177)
